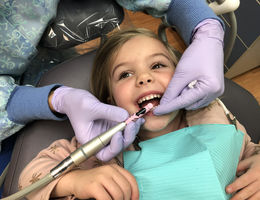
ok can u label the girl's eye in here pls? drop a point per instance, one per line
(124, 75)
(157, 66)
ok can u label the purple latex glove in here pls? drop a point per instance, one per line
(89, 117)
(199, 75)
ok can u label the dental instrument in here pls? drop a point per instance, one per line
(79, 155)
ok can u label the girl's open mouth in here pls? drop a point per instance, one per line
(151, 98)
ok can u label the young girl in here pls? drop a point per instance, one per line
(181, 155)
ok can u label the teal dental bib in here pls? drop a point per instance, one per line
(195, 163)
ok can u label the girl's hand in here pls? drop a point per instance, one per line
(247, 186)
(102, 183)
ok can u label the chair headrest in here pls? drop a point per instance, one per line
(77, 22)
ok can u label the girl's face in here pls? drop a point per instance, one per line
(140, 74)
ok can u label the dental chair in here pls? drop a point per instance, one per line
(75, 72)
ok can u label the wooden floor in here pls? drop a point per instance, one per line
(249, 80)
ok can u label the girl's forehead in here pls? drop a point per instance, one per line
(140, 46)
(139, 40)
(137, 48)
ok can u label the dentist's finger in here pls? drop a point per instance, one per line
(131, 130)
(176, 86)
(110, 112)
(182, 101)
(112, 149)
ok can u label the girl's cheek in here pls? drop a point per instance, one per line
(118, 94)
(123, 94)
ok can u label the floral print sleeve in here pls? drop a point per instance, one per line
(22, 24)
(42, 164)
(48, 159)
(7, 127)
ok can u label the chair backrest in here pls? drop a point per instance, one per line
(244, 106)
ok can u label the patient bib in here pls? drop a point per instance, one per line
(195, 163)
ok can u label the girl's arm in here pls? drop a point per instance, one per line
(42, 164)
(250, 148)
(105, 182)
(89, 180)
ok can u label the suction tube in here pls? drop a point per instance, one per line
(79, 155)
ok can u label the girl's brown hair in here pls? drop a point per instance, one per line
(100, 78)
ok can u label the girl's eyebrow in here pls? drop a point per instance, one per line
(119, 65)
(160, 54)
(150, 56)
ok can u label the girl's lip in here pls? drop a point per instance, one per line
(150, 113)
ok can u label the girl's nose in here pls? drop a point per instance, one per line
(143, 82)
(144, 79)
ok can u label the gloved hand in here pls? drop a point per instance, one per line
(89, 117)
(202, 64)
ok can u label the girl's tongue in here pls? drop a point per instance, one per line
(155, 102)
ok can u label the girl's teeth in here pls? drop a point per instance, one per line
(152, 96)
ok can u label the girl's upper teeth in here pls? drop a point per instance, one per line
(148, 97)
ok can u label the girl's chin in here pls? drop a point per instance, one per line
(157, 123)
(152, 127)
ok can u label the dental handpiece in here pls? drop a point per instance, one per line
(79, 155)
(96, 144)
